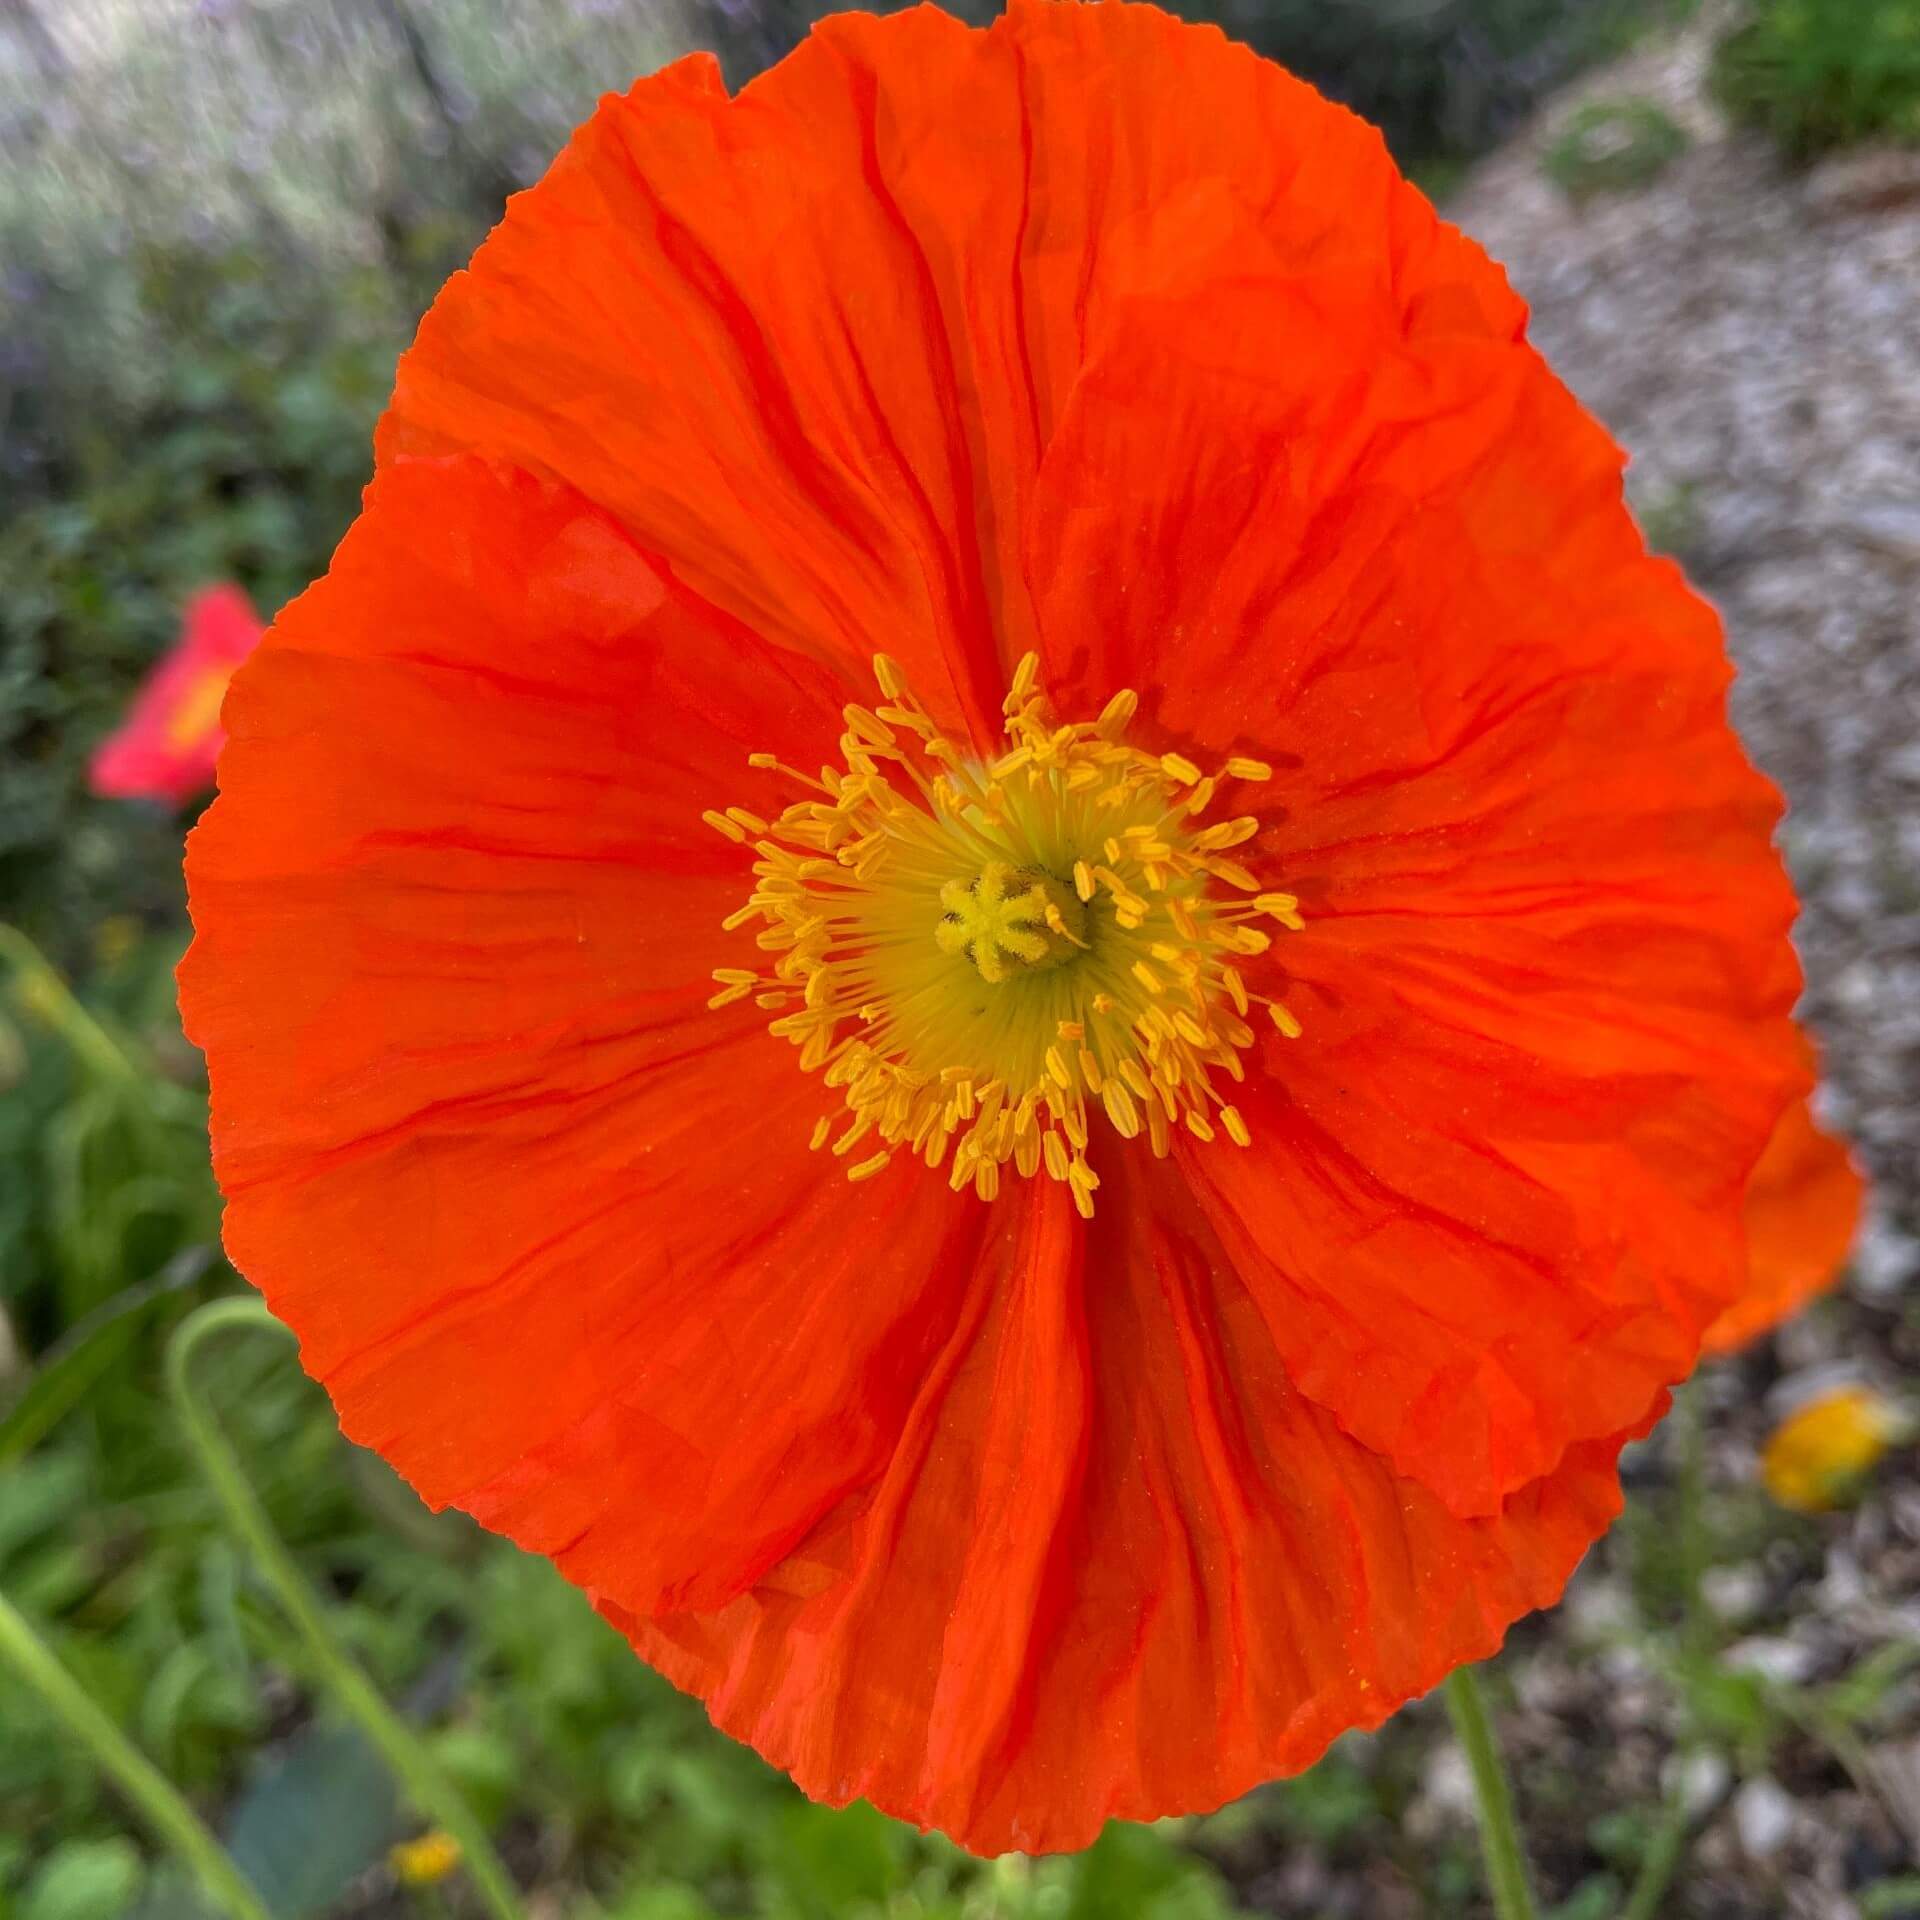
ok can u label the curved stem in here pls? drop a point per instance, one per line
(152, 1794)
(1661, 1863)
(54, 1000)
(1499, 1834)
(402, 1749)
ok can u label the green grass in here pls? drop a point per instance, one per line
(1613, 146)
(1815, 75)
(601, 1784)
(610, 1790)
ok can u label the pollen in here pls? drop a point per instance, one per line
(990, 959)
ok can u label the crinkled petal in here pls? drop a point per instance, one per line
(1095, 334)
(1802, 1212)
(1120, 1566)
(1544, 976)
(547, 1227)
(809, 343)
(712, 318)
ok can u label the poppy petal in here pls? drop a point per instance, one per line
(1118, 1565)
(760, 384)
(1803, 1210)
(533, 1208)
(831, 320)
(167, 746)
(1090, 333)
(1544, 970)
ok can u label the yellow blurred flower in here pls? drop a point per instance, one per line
(425, 1861)
(1817, 1456)
(116, 937)
(38, 994)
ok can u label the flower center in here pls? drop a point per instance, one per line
(1087, 936)
(198, 711)
(1010, 921)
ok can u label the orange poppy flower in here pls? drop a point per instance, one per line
(1802, 1212)
(166, 747)
(1116, 1229)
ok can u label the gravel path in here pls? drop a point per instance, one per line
(1753, 338)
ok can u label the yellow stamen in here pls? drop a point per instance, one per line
(986, 957)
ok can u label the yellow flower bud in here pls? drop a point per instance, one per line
(1816, 1458)
(425, 1861)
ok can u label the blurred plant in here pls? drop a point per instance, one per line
(113, 1550)
(1612, 146)
(1819, 74)
(339, 1675)
(103, 1146)
(1820, 1455)
(144, 1785)
(222, 433)
(1671, 518)
(538, 1711)
(1508, 1879)
(167, 746)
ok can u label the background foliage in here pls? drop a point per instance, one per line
(1818, 74)
(208, 263)
(209, 272)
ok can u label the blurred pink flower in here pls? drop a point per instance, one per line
(166, 747)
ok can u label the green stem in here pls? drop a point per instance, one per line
(54, 1001)
(432, 1792)
(1690, 1485)
(1499, 1835)
(1660, 1864)
(1832, 1732)
(151, 1793)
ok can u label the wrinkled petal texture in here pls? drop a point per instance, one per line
(1094, 335)
(1119, 1562)
(1802, 1212)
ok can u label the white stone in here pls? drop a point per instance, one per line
(1763, 1815)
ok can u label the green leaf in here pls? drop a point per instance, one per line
(664, 1902)
(314, 1822)
(1897, 1899)
(84, 1880)
(833, 1860)
(68, 1372)
(41, 1498)
(484, 1767)
(1133, 1870)
(1595, 1898)
(1856, 1695)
